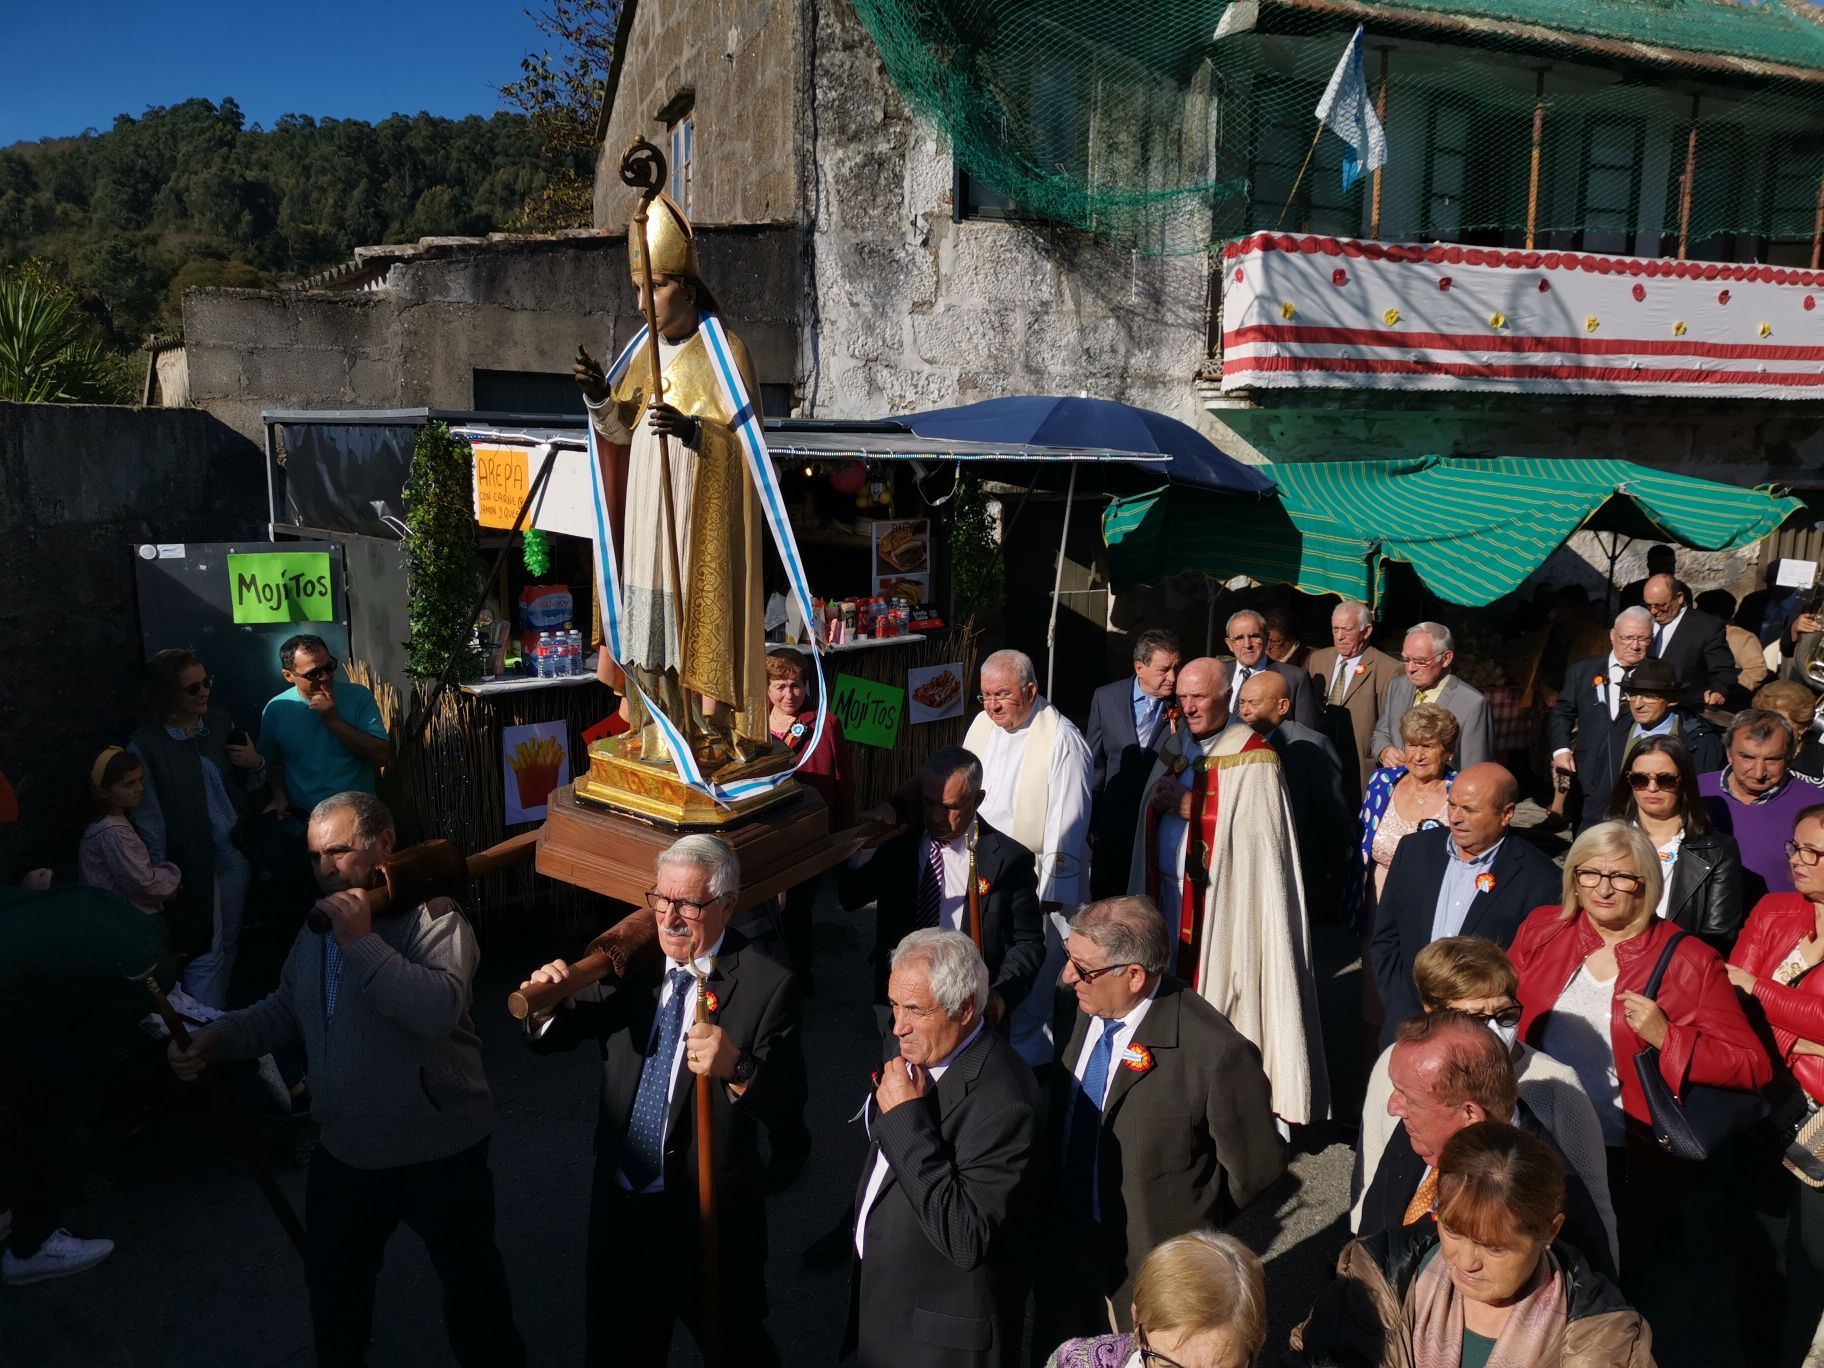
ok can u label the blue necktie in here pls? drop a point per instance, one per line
(643, 1156)
(1150, 728)
(1659, 640)
(1086, 1124)
(931, 890)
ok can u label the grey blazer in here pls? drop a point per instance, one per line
(1475, 732)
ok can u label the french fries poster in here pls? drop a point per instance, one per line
(536, 760)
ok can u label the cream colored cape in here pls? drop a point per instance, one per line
(1256, 966)
(1033, 784)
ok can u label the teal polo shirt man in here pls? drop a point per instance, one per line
(322, 736)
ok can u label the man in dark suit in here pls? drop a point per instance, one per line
(1450, 1071)
(1586, 725)
(1352, 678)
(944, 1206)
(1429, 652)
(935, 874)
(1247, 642)
(1465, 879)
(1127, 719)
(1159, 1121)
(1693, 643)
(644, 1238)
(1322, 815)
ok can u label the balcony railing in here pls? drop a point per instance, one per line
(1302, 312)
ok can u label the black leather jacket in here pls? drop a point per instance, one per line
(1706, 897)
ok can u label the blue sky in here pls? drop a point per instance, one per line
(76, 64)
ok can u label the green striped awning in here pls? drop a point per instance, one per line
(1473, 529)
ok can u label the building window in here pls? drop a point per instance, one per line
(1319, 204)
(1446, 172)
(1795, 170)
(683, 137)
(1611, 184)
(527, 392)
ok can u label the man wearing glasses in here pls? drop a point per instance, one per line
(645, 1252)
(1036, 771)
(1428, 654)
(1160, 1120)
(1589, 722)
(1756, 798)
(320, 736)
(1246, 638)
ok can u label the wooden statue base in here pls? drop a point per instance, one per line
(621, 782)
(612, 853)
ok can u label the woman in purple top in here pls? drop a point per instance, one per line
(1200, 1300)
(1756, 798)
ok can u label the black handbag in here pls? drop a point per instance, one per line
(1697, 1127)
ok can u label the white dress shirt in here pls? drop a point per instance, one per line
(1240, 675)
(1124, 1028)
(879, 1175)
(1611, 691)
(1064, 861)
(1663, 634)
(1345, 666)
(953, 904)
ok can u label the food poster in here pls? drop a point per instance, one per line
(934, 692)
(902, 560)
(536, 758)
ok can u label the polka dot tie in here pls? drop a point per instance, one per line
(643, 1156)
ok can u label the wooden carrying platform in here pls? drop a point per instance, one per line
(613, 854)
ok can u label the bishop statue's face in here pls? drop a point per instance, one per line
(674, 304)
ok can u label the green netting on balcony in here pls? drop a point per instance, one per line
(1175, 126)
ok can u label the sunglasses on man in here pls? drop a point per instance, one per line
(321, 675)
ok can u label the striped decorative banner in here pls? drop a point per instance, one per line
(1336, 313)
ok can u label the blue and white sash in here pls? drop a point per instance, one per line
(746, 424)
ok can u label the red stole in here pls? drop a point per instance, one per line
(1199, 847)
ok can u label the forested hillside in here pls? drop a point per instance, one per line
(187, 195)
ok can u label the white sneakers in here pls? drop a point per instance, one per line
(58, 1257)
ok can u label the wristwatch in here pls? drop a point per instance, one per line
(746, 1066)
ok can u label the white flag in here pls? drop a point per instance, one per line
(1350, 114)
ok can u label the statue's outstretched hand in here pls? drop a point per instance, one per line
(587, 372)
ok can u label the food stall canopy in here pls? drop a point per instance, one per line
(1473, 529)
(1062, 422)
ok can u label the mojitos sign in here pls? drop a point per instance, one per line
(280, 586)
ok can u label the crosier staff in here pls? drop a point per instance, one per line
(710, 1229)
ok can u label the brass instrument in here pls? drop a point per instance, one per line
(1808, 650)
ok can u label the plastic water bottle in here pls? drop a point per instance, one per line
(541, 661)
(576, 651)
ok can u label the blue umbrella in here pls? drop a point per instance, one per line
(1049, 420)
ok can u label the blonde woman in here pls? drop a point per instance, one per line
(1200, 1302)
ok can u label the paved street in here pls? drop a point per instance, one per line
(203, 1276)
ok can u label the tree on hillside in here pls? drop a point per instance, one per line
(561, 94)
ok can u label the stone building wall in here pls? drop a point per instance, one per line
(444, 311)
(742, 58)
(80, 487)
(915, 311)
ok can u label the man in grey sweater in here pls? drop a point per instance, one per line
(382, 1009)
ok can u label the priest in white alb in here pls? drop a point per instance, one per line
(1036, 771)
(1215, 849)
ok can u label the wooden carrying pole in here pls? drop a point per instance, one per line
(708, 1226)
(246, 1147)
(1299, 180)
(629, 941)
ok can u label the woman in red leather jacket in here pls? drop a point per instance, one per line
(1582, 967)
(1773, 962)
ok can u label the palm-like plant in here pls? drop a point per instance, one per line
(46, 354)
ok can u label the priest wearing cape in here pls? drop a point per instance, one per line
(692, 631)
(1035, 775)
(1216, 851)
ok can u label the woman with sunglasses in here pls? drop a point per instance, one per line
(1487, 1281)
(1774, 963)
(1700, 867)
(1582, 967)
(1474, 976)
(1200, 1301)
(199, 768)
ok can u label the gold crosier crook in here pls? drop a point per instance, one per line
(643, 169)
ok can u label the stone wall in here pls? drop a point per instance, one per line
(448, 310)
(742, 58)
(915, 311)
(80, 487)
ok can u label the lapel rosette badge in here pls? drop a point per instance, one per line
(1138, 1058)
(1485, 883)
